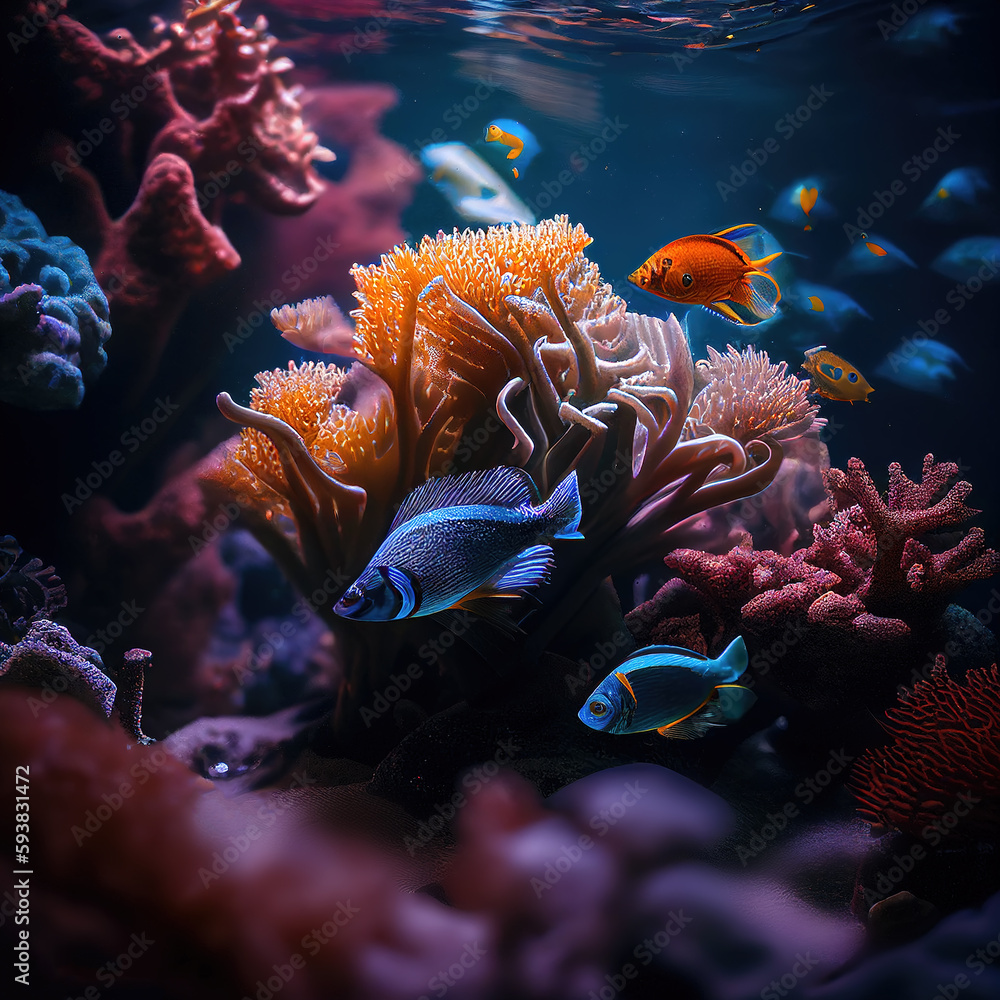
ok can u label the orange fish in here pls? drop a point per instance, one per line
(716, 271)
(876, 249)
(835, 378)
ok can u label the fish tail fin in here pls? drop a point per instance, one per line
(735, 701)
(732, 663)
(564, 508)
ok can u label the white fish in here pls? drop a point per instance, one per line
(476, 191)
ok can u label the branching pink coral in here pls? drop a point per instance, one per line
(866, 590)
(945, 751)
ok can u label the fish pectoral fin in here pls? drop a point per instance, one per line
(762, 293)
(726, 308)
(497, 609)
(530, 569)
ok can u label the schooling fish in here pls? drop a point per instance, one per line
(925, 366)
(519, 139)
(862, 259)
(459, 541)
(974, 256)
(957, 196)
(716, 271)
(676, 691)
(837, 308)
(835, 378)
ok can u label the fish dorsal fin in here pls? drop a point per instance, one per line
(666, 651)
(753, 240)
(501, 487)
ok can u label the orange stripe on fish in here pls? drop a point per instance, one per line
(628, 686)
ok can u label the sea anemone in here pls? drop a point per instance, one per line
(945, 752)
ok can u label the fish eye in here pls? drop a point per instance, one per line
(686, 280)
(351, 596)
(597, 707)
(852, 376)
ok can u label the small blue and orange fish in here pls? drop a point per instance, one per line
(461, 542)
(676, 691)
(716, 271)
(522, 144)
(835, 378)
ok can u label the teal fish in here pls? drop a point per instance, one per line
(675, 691)
(460, 542)
(518, 140)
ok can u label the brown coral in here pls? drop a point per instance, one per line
(945, 752)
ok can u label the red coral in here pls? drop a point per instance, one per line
(945, 754)
(865, 584)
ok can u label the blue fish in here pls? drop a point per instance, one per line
(676, 691)
(957, 196)
(460, 542)
(924, 366)
(860, 259)
(521, 144)
(787, 206)
(930, 27)
(828, 305)
(975, 255)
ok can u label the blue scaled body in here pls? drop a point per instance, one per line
(459, 541)
(676, 691)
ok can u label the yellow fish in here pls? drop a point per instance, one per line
(514, 135)
(835, 378)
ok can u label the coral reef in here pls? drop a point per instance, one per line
(486, 348)
(28, 591)
(53, 314)
(872, 588)
(946, 744)
(200, 117)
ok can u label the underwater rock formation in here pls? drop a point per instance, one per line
(946, 744)
(53, 315)
(868, 592)
(486, 348)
